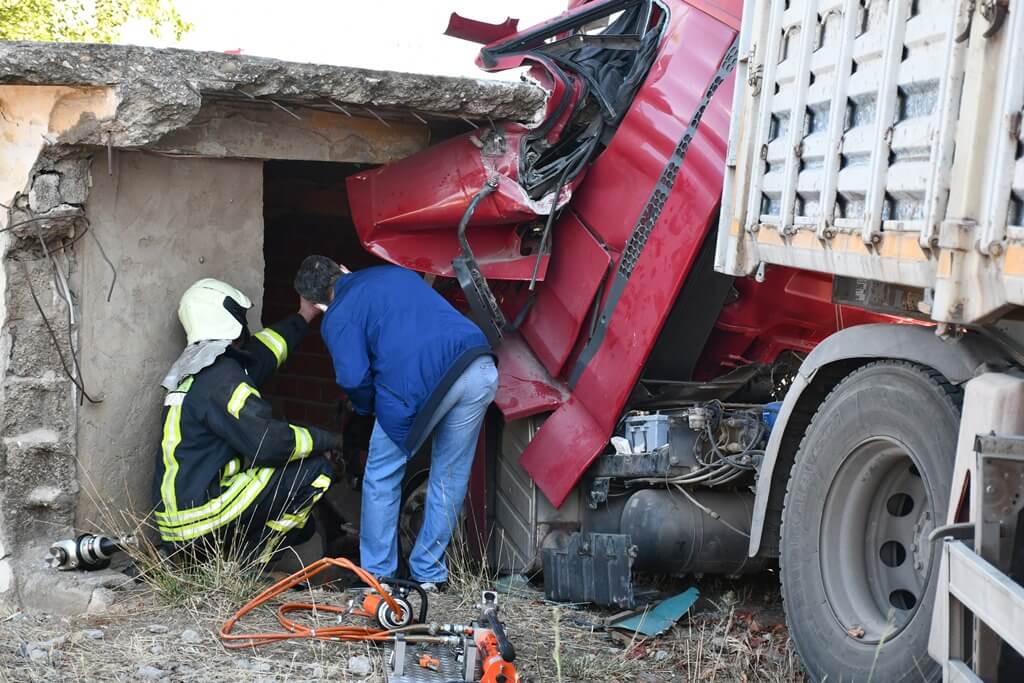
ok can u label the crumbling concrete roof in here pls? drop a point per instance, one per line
(159, 90)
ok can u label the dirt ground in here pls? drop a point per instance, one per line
(734, 633)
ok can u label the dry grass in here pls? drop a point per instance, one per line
(555, 643)
(194, 580)
(732, 635)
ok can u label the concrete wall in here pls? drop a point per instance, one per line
(246, 130)
(163, 222)
(38, 480)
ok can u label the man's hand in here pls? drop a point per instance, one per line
(335, 449)
(308, 310)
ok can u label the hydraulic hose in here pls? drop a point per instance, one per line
(294, 629)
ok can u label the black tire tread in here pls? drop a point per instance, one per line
(949, 391)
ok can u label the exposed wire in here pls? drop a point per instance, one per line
(62, 286)
(74, 220)
(377, 116)
(65, 291)
(744, 459)
(285, 109)
(711, 513)
(113, 270)
(53, 336)
(341, 108)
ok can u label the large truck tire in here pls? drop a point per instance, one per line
(870, 481)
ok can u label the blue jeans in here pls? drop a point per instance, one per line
(455, 428)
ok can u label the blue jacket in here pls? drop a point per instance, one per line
(397, 348)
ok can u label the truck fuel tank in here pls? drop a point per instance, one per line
(682, 532)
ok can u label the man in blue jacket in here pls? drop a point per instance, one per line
(403, 353)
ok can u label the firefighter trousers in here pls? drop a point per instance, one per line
(278, 518)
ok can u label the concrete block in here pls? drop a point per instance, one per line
(32, 404)
(42, 589)
(33, 352)
(32, 513)
(35, 437)
(33, 525)
(45, 192)
(75, 180)
(58, 222)
(36, 458)
(20, 305)
(48, 497)
(45, 590)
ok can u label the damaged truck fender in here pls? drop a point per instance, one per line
(958, 360)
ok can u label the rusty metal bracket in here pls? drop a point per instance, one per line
(995, 12)
(971, 7)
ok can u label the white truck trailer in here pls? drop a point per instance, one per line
(881, 141)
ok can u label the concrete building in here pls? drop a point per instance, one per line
(126, 174)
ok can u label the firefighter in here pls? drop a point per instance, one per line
(226, 469)
(403, 353)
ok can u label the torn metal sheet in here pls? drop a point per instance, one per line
(654, 622)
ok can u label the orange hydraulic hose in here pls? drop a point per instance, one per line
(296, 630)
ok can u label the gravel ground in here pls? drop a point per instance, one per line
(734, 633)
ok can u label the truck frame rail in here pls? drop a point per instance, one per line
(973, 579)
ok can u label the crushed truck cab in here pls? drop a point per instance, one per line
(729, 275)
(601, 309)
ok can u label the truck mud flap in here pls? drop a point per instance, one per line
(594, 568)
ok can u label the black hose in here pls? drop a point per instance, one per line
(508, 653)
(546, 235)
(490, 186)
(411, 585)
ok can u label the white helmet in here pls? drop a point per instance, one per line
(211, 309)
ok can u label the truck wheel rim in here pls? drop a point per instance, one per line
(873, 540)
(410, 518)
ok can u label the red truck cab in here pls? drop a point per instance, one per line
(609, 300)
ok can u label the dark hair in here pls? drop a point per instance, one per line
(316, 277)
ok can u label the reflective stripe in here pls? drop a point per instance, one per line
(269, 547)
(174, 398)
(170, 441)
(275, 342)
(303, 443)
(322, 482)
(231, 469)
(240, 395)
(289, 521)
(228, 474)
(242, 501)
(238, 486)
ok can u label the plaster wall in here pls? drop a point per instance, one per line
(164, 223)
(34, 115)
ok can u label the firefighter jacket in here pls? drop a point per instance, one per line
(221, 444)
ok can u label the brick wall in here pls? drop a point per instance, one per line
(305, 212)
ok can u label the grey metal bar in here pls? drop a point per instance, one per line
(988, 593)
(957, 672)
